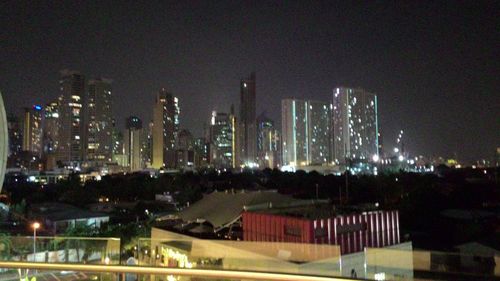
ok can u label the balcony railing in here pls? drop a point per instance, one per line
(181, 258)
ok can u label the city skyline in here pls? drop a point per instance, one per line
(435, 110)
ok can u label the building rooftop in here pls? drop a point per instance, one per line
(61, 212)
(315, 210)
(312, 211)
(222, 208)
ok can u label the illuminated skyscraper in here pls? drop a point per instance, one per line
(268, 143)
(201, 152)
(119, 156)
(133, 143)
(319, 132)
(99, 122)
(247, 121)
(15, 135)
(165, 129)
(355, 125)
(147, 144)
(306, 132)
(51, 134)
(51, 128)
(72, 134)
(33, 130)
(222, 140)
(184, 150)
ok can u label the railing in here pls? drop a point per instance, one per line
(162, 271)
(173, 257)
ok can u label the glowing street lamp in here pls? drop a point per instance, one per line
(35, 225)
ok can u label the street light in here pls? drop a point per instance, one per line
(35, 225)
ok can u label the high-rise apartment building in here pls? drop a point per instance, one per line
(222, 140)
(72, 123)
(319, 132)
(306, 132)
(201, 152)
(165, 129)
(355, 125)
(184, 150)
(33, 130)
(15, 135)
(133, 143)
(99, 122)
(119, 156)
(147, 145)
(247, 122)
(51, 127)
(268, 143)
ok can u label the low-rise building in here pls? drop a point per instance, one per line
(322, 224)
(57, 217)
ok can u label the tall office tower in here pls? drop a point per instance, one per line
(15, 135)
(147, 145)
(51, 134)
(201, 152)
(184, 150)
(33, 130)
(99, 122)
(222, 140)
(355, 125)
(165, 129)
(247, 121)
(306, 132)
(4, 143)
(119, 156)
(133, 143)
(71, 113)
(268, 143)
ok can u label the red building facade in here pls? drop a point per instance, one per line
(351, 232)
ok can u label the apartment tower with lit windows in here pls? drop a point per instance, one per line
(355, 125)
(306, 132)
(165, 129)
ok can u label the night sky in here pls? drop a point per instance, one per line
(434, 65)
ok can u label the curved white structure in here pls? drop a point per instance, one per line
(4, 141)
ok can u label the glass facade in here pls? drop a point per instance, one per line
(221, 138)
